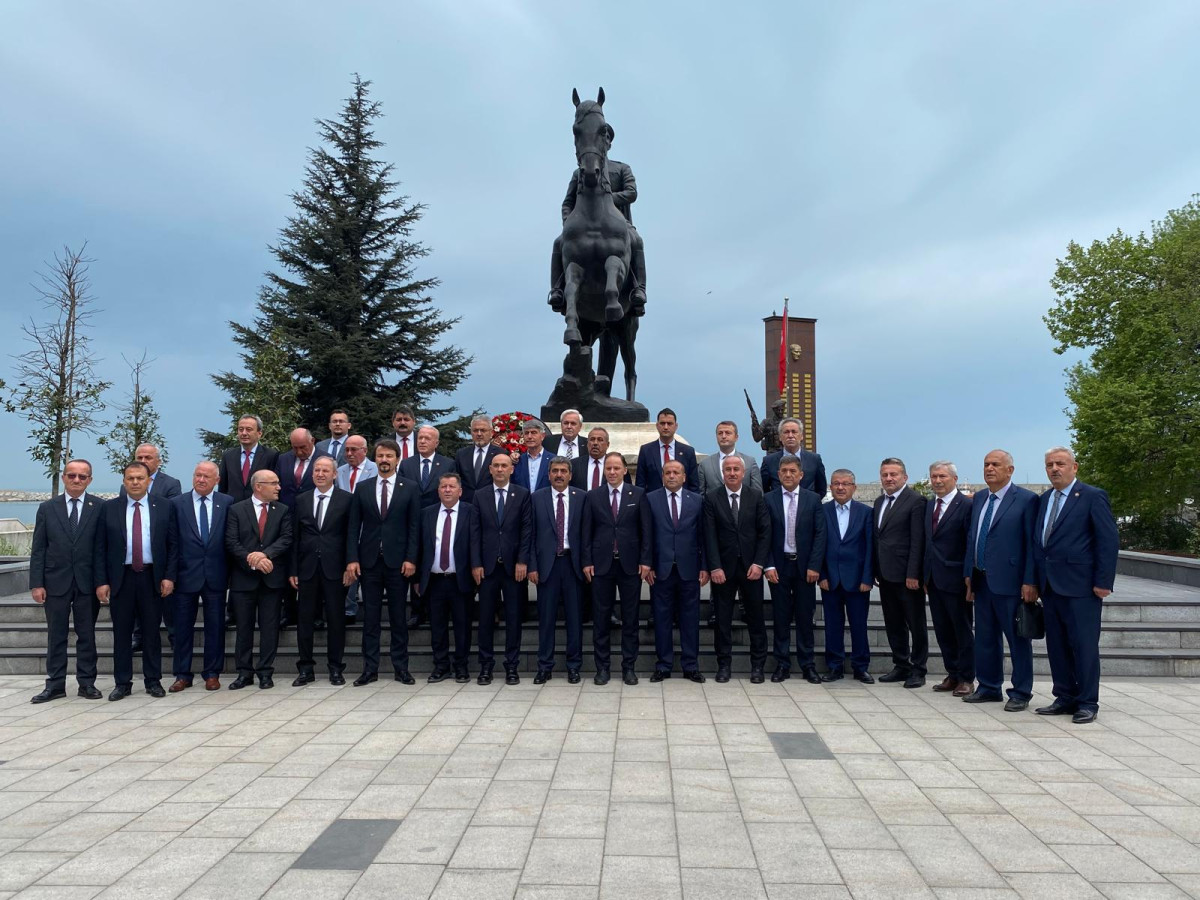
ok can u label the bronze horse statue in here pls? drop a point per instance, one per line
(596, 252)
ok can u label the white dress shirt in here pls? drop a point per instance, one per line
(438, 525)
(843, 517)
(328, 495)
(67, 501)
(196, 495)
(594, 465)
(886, 507)
(410, 442)
(147, 553)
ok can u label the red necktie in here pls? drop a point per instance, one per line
(674, 511)
(937, 513)
(353, 475)
(383, 499)
(444, 556)
(299, 471)
(560, 525)
(404, 449)
(262, 521)
(246, 468)
(135, 557)
(666, 453)
(595, 473)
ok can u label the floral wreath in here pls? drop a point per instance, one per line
(506, 430)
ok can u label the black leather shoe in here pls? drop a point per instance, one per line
(1014, 705)
(864, 677)
(629, 677)
(230, 625)
(810, 675)
(712, 621)
(414, 620)
(1056, 709)
(351, 620)
(511, 676)
(914, 681)
(978, 696)
(722, 675)
(155, 690)
(897, 674)
(319, 625)
(573, 676)
(136, 646)
(601, 677)
(304, 678)
(615, 622)
(658, 675)
(542, 676)
(366, 678)
(835, 675)
(695, 676)
(437, 675)
(89, 692)
(756, 676)
(120, 692)
(780, 674)
(265, 682)
(337, 678)
(485, 675)
(462, 676)
(240, 682)
(1084, 717)
(403, 677)
(47, 695)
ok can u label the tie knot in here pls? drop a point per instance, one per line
(203, 499)
(136, 504)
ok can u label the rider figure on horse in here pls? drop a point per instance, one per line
(624, 193)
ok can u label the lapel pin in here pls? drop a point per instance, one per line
(1076, 494)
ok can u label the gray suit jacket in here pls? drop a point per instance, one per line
(343, 476)
(322, 449)
(710, 472)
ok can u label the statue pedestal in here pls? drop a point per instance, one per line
(576, 389)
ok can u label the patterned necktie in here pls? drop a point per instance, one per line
(135, 558)
(320, 511)
(984, 527)
(570, 450)
(616, 505)
(73, 519)
(204, 520)
(1053, 516)
(383, 499)
(937, 513)
(560, 525)
(595, 473)
(334, 446)
(444, 556)
(666, 454)
(246, 468)
(262, 521)
(790, 532)
(480, 452)
(299, 473)
(733, 505)
(499, 504)
(424, 473)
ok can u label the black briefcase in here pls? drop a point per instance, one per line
(1031, 621)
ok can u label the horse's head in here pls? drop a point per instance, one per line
(593, 136)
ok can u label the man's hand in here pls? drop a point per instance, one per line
(649, 577)
(294, 582)
(704, 578)
(755, 572)
(588, 572)
(533, 578)
(352, 573)
(823, 584)
(1099, 592)
(772, 575)
(1029, 593)
(39, 595)
(266, 566)
(520, 571)
(477, 574)
(913, 584)
(102, 594)
(643, 571)
(166, 587)
(253, 560)
(970, 598)
(864, 588)
(408, 569)
(717, 576)
(812, 576)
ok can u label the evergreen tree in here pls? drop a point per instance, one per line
(136, 423)
(269, 393)
(354, 321)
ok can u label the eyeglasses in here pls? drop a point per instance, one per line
(71, 476)
(270, 483)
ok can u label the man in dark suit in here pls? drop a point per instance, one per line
(62, 579)
(199, 574)
(846, 579)
(947, 526)
(258, 538)
(556, 568)
(382, 547)
(678, 571)
(654, 455)
(999, 575)
(737, 535)
(531, 470)
(238, 464)
(428, 466)
(587, 471)
(1075, 562)
(294, 467)
(451, 568)
(794, 567)
(339, 430)
(473, 462)
(567, 443)
(131, 562)
(317, 570)
(506, 541)
(791, 435)
(404, 420)
(898, 542)
(616, 557)
(162, 485)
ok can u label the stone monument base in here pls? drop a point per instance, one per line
(580, 389)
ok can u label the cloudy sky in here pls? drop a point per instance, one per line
(906, 173)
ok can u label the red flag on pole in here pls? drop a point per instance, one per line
(783, 352)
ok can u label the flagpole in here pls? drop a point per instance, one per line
(783, 361)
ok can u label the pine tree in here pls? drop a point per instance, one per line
(269, 393)
(354, 321)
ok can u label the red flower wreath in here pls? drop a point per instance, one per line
(506, 430)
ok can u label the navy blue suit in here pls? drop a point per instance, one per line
(505, 542)
(677, 556)
(616, 548)
(810, 463)
(792, 594)
(559, 577)
(1080, 554)
(996, 578)
(650, 463)
(439, 465)
(847, 565)
(199, 569)
(449, 596)
(945, 549)
(464, 464)
(520, 475)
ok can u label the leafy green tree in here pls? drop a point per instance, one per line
(268, 391)
(137, 421)
(1133, 303)
(354, 320)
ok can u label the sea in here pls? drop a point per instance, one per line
(22, 510)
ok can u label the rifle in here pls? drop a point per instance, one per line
(755, 428)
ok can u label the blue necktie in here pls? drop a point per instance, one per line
(981, 543)
(204, 520)
(499, 504)
(424, 472)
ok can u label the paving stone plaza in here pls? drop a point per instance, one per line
(673, 790)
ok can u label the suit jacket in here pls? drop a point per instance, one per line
(581, 473)
(508, 542)
(630, 532)
(320, 551)
(466, 551)
(747, 540)
(946, 547)
(410, 470)
(241, 539)
(162, 486)
(1082, 551)
(323, 450)
(230, 469)
(1009, 549)
(464, 464)
(711, 475)
(193, 565)
(680, 547)
(810, 529)
(553, 445)
(649, 466)
(812, 465)
(545, 539)
(285, 468)
(521, 472)
(898, 545)
(368, 470)
(59, 561)
(110, 541)
(397, 538)
(848, 559)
